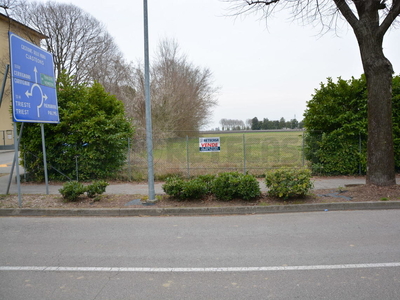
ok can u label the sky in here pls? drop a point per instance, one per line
(262, 70)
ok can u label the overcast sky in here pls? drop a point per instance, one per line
(264, 72)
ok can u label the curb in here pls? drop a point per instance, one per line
(197, 211)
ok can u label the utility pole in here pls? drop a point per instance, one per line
(149, 129)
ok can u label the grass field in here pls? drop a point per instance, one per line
(245, 152)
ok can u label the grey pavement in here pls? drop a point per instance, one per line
(135, 188)
(142, 187)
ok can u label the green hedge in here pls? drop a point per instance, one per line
(225, 186)
(287, 183)
(73, 189)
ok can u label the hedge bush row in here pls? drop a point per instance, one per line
(225, 186)
(73, 189)
(282, 183)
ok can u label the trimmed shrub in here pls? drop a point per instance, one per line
(185, 189)
(208, 180)
(286, 183)
(72, 190)
(96, 188)
(225, 186)
(173, 186)
(230, 185)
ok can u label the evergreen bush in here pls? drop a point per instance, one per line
(92, 134)
(336, 127)
(185, 189)
(231, 185)
(71, 190)
(96, 188)
(286, 183)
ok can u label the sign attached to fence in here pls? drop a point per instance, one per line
(33, 82)
(209, 144)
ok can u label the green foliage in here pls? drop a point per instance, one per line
(92, 133)
(208, 180)
(72, 190)
(286, 183)
(231, 185)
(185, 189)
(225, 186)
(96, 188)
(336, 123)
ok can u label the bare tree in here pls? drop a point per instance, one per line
(80, 44)
(182, 94)
(370, 20)
(248, 123)
(8, 4)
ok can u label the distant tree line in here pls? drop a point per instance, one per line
(275, 124)
(232, 124)
(255, 124)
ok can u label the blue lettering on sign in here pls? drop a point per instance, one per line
(33, 82)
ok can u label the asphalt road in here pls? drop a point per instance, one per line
(320, 255)
(6, 159)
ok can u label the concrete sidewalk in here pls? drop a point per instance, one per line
(142, 188)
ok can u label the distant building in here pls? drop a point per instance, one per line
(8, 24)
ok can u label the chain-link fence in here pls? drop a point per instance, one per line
(252, 152)
(244, 152)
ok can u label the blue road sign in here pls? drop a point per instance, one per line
(33, 83)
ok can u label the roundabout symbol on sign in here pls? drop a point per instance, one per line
(30, 93)
(33, 83)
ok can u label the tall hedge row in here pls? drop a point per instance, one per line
(336, 126)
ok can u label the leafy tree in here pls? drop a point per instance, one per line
(336, 123)
(255, 124)
(282, 123)
(93, 130)
(370, 20)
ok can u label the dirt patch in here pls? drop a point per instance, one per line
(358, 193)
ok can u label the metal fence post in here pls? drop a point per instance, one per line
(76, 167)
(359, 151)
(24, 164)
(129, 160)
(302, 149)
(187, 157)
(244, 154)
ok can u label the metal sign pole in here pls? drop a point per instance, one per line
(15, 157)
(16, 149)
(44, 158)
(149, 130)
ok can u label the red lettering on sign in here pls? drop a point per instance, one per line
(209, 144)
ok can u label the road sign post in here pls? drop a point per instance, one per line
(33, 83)
(33, 86)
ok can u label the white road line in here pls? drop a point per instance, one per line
(222, 269)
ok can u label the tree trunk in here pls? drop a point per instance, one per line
(378, 71)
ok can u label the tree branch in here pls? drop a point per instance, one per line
(262, 2)
(393, 13)
(346, 12)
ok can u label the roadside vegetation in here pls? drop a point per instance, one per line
(283, 183)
